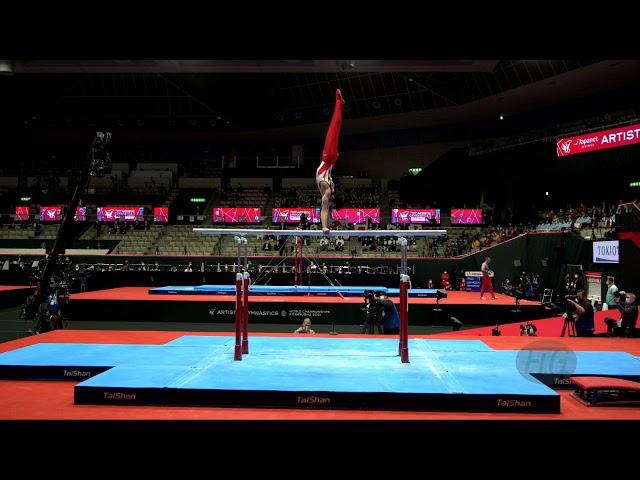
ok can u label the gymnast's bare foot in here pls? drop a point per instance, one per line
(325, 230)
(339, 96)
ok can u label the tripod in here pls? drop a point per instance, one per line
(437, 307)
(372, 320)
(569, 326)
(517, 306)
(436, 310)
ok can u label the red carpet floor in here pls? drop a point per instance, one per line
(8, 288)
(32, 400)
(547, 327)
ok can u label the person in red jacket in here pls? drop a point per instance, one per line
(444, 280)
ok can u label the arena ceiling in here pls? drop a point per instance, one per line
(240, 96)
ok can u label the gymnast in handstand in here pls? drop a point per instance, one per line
(329, 158)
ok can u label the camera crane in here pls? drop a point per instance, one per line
(98, 164)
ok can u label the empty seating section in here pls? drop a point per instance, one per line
(178, 239)
(249, 197)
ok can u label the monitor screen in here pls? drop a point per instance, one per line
(81, 214)
(161, 214)
(292, 215)
(356, 215)
(237, 215)
(50, 214)
(466, 216)
(22, 213)
(125, 214)
(414, 215)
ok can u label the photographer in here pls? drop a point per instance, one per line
(303, 221)
(583, 311)
(391, 320)
(626, 325)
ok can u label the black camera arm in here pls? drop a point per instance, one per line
(98, 163)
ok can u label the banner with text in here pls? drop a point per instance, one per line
(590, 142)
(54, 214)
(606, 252)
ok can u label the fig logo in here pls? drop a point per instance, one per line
(51, 213)
(109, 213)
(404, 215)
(564, 147)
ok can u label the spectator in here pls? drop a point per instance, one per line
(303, 221)
(444, 280)
(612, 289)
(305, 327)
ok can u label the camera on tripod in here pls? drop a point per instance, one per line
(569, 326)
(373, 318)
(570, 307)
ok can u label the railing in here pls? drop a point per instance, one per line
(277, 162)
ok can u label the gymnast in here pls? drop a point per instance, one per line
(329, 158)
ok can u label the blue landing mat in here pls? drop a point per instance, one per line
(302, 372)
(292, 290)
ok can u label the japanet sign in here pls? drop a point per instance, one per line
(590, 142)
